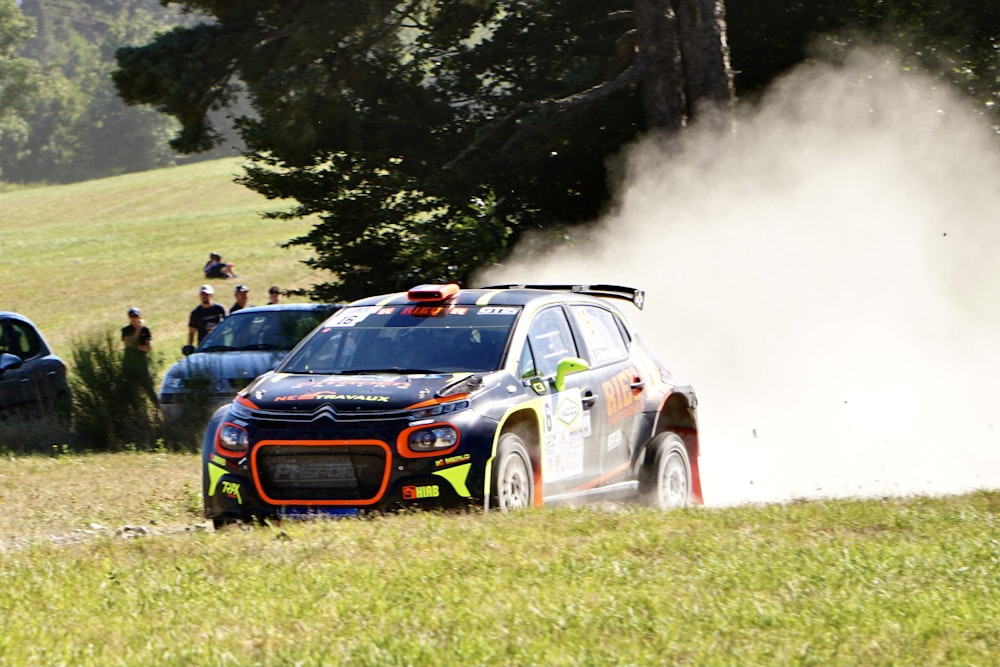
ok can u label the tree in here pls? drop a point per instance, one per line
(19, 77)
(73, 125)
(429, 134)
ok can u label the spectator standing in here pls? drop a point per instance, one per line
(137, 339)
(205, 316)
(242, 294)
(274, 294)
(216, 268)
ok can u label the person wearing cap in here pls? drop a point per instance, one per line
(242, 294)
(273, 294)
(137, 339)
(205, 316)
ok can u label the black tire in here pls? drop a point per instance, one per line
(666, 479)
(513, 485)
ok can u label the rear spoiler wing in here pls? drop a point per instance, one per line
(636, 296)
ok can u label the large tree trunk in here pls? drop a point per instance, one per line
(705, 54)
(659, 57)
(682, 49)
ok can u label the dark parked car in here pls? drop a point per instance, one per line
(244, 345)
(32, 379)
(501, 397)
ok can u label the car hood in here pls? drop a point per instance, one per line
(227, 365)
(350, 393)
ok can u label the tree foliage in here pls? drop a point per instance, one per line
(427, 135)
(20, 78)
(71, 123)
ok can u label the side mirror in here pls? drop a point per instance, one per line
(9, 361)
(568, 366)
(188, 350)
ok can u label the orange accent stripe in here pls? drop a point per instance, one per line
(437, 401)
(247, 402)
(320, 443)
(594, 483)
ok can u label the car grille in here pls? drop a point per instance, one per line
(322, 473)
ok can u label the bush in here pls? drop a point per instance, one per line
(111, 408)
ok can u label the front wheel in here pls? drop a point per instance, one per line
(666, 480)
(513, 480)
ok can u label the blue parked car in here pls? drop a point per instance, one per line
(32, 379)
(246, 344)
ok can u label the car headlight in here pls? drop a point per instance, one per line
(437, 409)
(173, 383)
(428, 440)
(233, 438)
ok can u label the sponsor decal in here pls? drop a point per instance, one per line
(364, 398)
(434, 311)
(232, 489)
(566, 426)
(348, 317)
(568, 411)
(452, 460)
(615, 439)
(498, 310)
(421, 492)
(623, 400)
(334, 381)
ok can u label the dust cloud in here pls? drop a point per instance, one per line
(826, 276)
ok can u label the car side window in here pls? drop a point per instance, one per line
(551, 341)
(20, 339)
(602, 334)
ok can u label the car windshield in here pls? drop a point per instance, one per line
(407, 339)
(261, 330)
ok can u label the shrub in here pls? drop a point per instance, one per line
(111, 408)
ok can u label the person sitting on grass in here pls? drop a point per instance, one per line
(216, 268)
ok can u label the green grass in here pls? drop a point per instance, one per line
(124, 572)
(76, 257)
(105, 559)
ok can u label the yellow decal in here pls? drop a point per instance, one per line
(216, 469)
(232, 489)
(456, 477)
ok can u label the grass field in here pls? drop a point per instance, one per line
(76, 257)
(105, 559)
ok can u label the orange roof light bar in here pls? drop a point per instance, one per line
(433, 292)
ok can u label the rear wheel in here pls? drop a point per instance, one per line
(513, 480)
(666, 481)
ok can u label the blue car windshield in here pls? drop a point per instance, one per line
(407, 339)
(262, 330)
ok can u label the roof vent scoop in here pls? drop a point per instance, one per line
(435, 293)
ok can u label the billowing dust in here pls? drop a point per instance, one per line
(827, 277)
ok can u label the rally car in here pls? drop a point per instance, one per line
(502, 397)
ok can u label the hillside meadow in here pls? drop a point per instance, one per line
(106, 559)
(76, 257)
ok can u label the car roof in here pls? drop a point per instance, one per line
(505, 295)
(11, 315)
(279, 307)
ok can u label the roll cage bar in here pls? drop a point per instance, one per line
(636, 296)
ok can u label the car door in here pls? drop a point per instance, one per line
(620, 383)
(12, 375)
(573, 417)
(36, 379)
